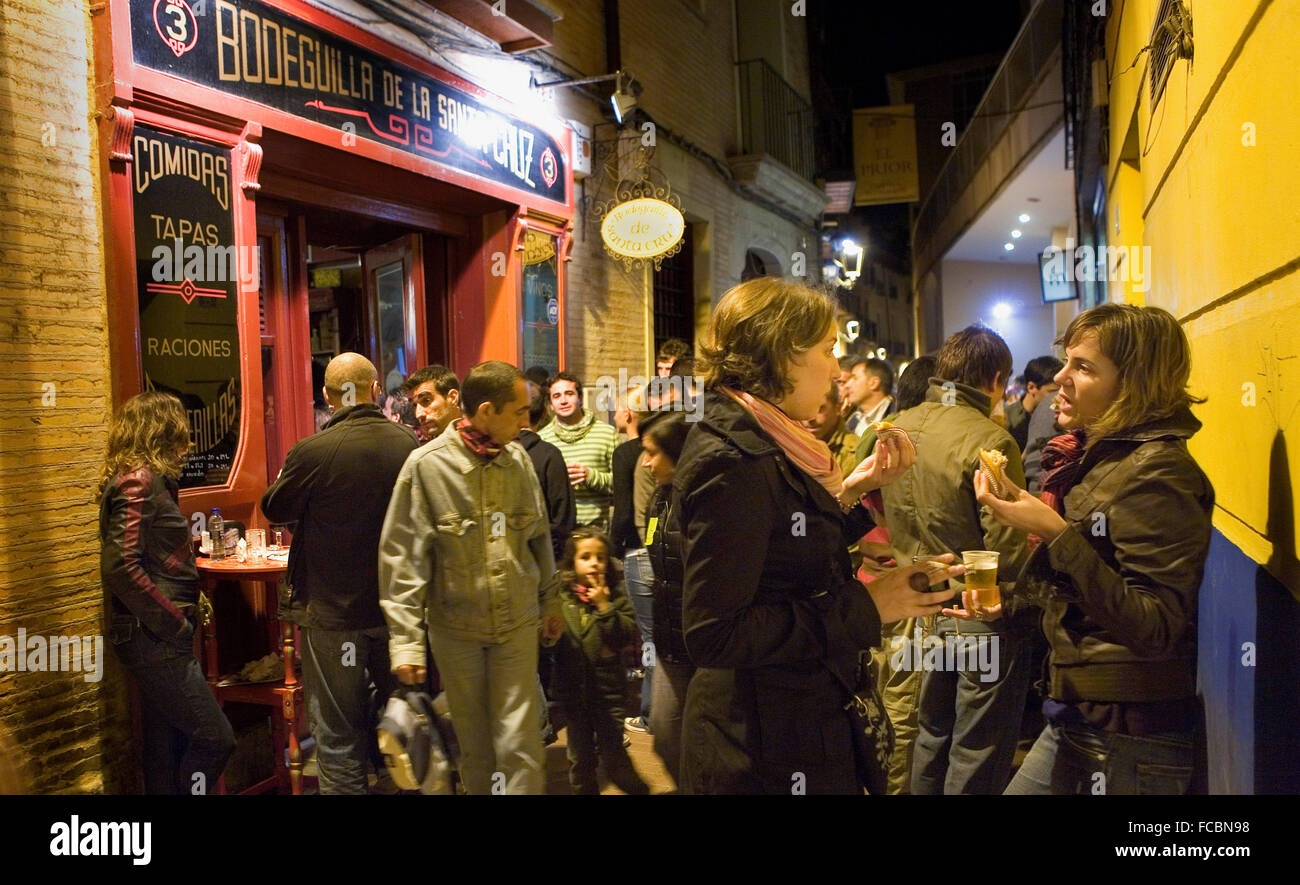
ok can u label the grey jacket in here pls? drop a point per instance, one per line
(465, 548)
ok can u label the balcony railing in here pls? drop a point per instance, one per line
(1014, 82)
(774, 118)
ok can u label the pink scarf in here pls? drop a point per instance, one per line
(809, 454)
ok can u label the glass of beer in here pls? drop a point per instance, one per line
(982, 576)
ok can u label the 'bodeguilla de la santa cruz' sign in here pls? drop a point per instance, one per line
(253, 51)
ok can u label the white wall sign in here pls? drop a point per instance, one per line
(642, 228)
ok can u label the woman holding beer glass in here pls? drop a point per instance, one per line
(147, 565)
(773, 618)
(1125, 528)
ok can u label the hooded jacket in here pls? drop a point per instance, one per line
(1119, 585)
(588, 656)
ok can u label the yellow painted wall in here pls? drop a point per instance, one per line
(1222, 218)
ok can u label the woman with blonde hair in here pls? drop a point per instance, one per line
(147, 566)
(1124, 529)
(772, 616)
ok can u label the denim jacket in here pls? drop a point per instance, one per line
(465, 548)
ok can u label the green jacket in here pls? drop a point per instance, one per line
(588, 655)
(931, 508)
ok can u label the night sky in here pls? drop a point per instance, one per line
(858, 43)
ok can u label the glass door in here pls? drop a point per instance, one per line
(394, 291)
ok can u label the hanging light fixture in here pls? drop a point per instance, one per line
(623, 99)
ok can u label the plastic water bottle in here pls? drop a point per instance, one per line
(217, 528)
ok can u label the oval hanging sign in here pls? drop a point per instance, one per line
(642, 228)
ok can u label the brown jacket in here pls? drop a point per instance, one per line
(1119, 586)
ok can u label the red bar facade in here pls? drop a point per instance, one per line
(328, 148)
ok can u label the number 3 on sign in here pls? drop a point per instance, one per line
(179, 29)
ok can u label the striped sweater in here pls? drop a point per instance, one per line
(590, 443)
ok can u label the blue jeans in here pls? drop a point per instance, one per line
(640, 584)
(968, 727)
(1077, 759)
(338, 667)
(187, 739)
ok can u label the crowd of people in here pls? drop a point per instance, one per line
(758, 569)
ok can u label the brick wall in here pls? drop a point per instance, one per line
(53, 346)
(684, 62)
(683, 58)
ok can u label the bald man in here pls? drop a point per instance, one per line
(335, 485)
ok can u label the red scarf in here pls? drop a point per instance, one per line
(808, 453)
(479, 442)
(1061, 457)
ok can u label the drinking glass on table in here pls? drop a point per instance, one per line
(256, 539)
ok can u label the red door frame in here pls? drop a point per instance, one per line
(484, 308)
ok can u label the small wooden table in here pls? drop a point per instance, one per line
(284, 697)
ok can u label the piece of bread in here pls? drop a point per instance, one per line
(885, 429)
(992, 465)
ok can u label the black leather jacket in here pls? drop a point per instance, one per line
(666, 563)
(146, 560)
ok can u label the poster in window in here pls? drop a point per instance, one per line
(541, 302)
(188, 273)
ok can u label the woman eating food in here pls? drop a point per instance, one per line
(1124, 529)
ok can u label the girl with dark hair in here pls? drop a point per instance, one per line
(589, 683)
(1124, 531)
(147, 565)
(663, 435)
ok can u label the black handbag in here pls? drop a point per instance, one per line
(873, 732)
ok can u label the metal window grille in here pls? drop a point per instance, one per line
(674, 295)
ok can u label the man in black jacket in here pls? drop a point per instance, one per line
(335, 485)
(552, 473)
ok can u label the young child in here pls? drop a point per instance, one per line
(598, 622)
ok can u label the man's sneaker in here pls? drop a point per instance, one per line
(636, 724)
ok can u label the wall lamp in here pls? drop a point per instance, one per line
(622, 100)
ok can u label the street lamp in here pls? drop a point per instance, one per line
(852, 261)
(844, 268)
